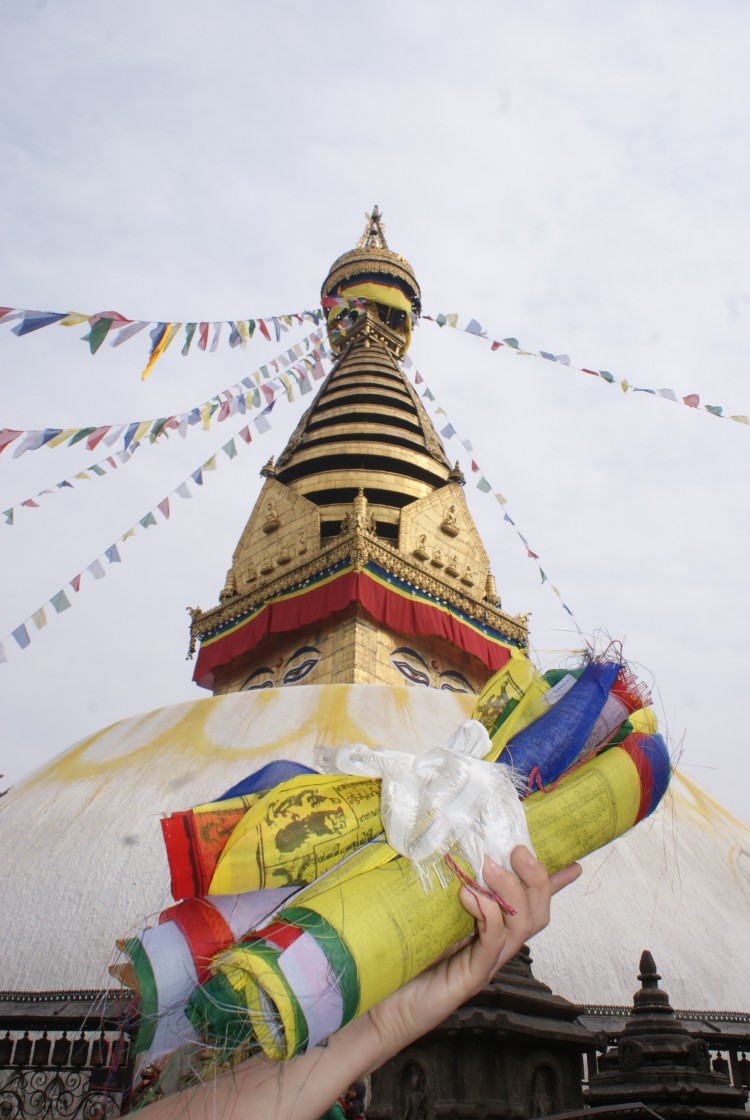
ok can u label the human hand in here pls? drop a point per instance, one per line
(429, 998)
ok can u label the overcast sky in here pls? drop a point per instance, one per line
(575, 175)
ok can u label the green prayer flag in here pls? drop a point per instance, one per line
(512, 342)
(230, 448)
(189, 332)
(97, 469)
(484, 485)
(60, 602)
(79, 435)
(606, 375)
(149, 519)
(441, 320)
(714, 409)
(97, 334)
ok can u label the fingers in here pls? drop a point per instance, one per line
(565, 876)
(527, 890)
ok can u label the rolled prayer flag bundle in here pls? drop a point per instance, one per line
(313, 913)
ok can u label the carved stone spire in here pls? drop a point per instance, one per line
(658, 1063)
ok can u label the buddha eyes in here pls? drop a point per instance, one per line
(416, 676)
(261, 678)
(295, 671)
(299, 672)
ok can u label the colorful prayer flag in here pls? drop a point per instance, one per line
(60, 601)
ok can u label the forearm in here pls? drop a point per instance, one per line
(261, 1089)
(304, 1088)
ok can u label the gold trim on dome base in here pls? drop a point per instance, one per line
(360, 547)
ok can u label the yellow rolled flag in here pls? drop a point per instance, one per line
(297, 832)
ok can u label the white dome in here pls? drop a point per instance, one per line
(88, 863)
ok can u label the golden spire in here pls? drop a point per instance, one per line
(373, 237)
(363, 483)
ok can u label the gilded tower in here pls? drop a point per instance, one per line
(360, 562)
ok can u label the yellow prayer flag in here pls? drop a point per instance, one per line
(73, 319)
(61, 437)
(517, 681)
(161, 346)
(297, 831)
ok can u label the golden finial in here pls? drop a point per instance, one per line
(373, 237)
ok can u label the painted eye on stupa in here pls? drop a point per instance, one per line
(411, 665)
(259, 678)
(454, 681)
(296, 670)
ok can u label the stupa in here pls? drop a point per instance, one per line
(359, 606)
(360, 562)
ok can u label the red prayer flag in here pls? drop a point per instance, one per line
(7, 435)
(97, 436)
(264, 328)
(692, 400)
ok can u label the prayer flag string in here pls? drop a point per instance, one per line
(690, 400)
(102, 324)
(304, 358)
(61, 600)
(447, 432)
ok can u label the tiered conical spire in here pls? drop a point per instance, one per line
(367, 428)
